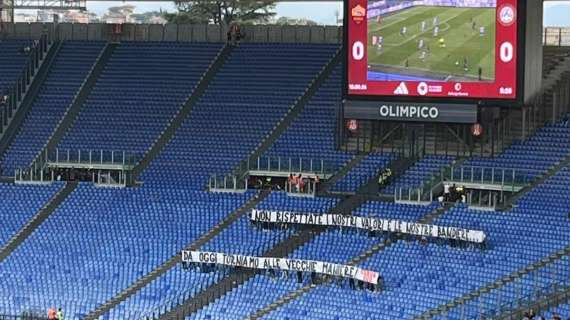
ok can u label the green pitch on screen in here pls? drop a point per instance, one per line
(463, 42)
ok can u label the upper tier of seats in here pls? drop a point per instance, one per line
(534, 156)
(12, 62)
(250, 93)
(140, 90)
(312, 133)
(69, 70)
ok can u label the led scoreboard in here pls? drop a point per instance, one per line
(434, 50)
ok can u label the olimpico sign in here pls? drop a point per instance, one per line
(409, 111)
(399, 111)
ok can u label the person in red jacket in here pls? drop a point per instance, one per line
(51, 314)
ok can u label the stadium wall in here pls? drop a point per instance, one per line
(533, 51)
(176, 32)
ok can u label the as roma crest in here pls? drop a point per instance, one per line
(358, 14)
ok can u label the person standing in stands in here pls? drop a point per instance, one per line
(59, 314)
(299, 277)
(446, 191)
(51, 314)
(238, 33)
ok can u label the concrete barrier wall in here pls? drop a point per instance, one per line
(174, 32)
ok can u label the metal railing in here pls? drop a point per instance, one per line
(554, 36)
(507, 179)
(412, 194)
(15, 95)
(69, 157)
(24, 316)
(287, 165)
(227, 183)
(308, 189)
(523, 291)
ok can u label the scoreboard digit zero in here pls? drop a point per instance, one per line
(433, 50)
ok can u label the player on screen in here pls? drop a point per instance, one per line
(423, 26)
(420, 43)
(442, 42)
(436, 31)
(465, 65)
(435, 21)
(482, 31)
(423, 56)
(403, 30)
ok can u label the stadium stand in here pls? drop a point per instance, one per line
(69, 70)
(562, 311)
(342, 247)
(311, 135)
(360, 174)
(418, 277)
(420, 173)
(12, 61)
(178, 285)
(100, 242)
(112, 237)
(250, 93)
(121, 113)
(19, 204)
(532, 157)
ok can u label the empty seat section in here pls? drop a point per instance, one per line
(312, 133)
(12, 62)
(362, 173)
(69, 70)
(251, 92)
(533, 157)
(240, 238)
(19, 204)
(419, 173)
(100, 240)
(332, 246)
(140, 90)
(419, 277)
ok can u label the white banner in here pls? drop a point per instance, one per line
(372, 224)
(251, 262)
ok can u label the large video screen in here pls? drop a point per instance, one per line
(432, 48)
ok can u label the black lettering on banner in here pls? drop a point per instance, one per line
(240, 261)
(253, 261)
(335, 220)
(412, 228)
(326, 268)
(365, 223)
(262, 215)
(430, 230)
(186, 256)
(440, 232)
(380, 224)
(349, 271)
(352, 220)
